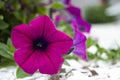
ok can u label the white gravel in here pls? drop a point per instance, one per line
(77, 71)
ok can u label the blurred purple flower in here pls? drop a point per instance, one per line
(57, 19)
(83, 25)
(67, 2)
(74, 13)
(79, 42)
(40, 46)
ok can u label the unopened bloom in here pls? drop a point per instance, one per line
(40, 46)
(79, 42)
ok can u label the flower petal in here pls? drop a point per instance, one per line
(58, 40)
(80, 45)
(78, 36)
(80, 50)
(38, 25)
(49, 28)
(50, 62)
(84, 26)
(74, 11)
(27, 59)
(42, 26)
(59, 37)
(21, 36)
(79, 42)
(63, 46)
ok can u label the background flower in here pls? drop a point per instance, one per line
(79, 42)
(71, 12)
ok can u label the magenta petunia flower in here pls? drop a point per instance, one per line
(79, 42)
(40, 46)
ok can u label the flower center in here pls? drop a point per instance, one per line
(40, 43)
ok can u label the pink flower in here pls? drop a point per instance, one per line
(40, 46)
(79, 42)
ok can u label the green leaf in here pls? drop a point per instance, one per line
(10, 45)
(71, 57)
(91, 42)
(66, 63)
(4, 51)
(6, 62)
(6, 54)
(3, 25)
(21, 74)
(4, 47)
(42, 10)
(57, 6)
(1, 17)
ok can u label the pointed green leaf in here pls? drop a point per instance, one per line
(66, 63)
(91, 42)
(3, 47)
(10, 45)
(5, 52)
(21, 74)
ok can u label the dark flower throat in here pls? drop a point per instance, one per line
(40, 43)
